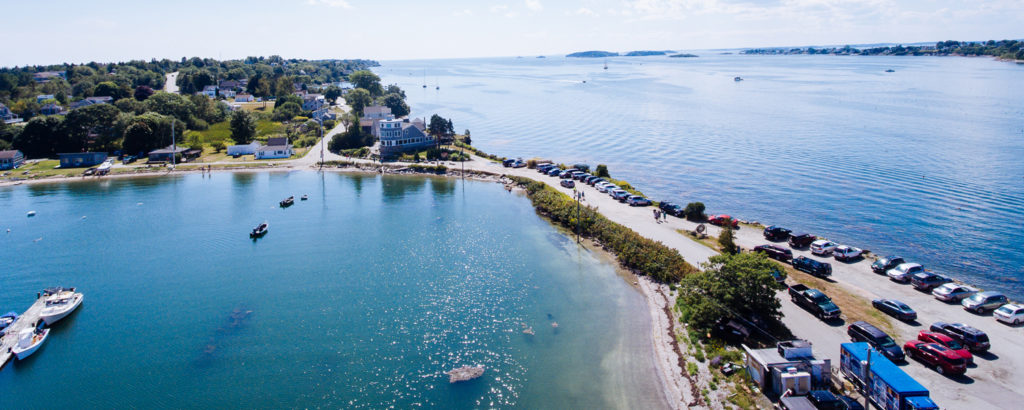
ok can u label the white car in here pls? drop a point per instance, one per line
(604, 187)
(822, 247)
(1010, 313)
(846, 253)
(904, 271)
(953, 292)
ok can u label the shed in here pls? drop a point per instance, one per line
(245, 149)
(165, 154)
(766, 366)
(81, 159)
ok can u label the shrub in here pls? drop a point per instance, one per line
(726, 240)
(602, 171)
(691, 368)
(694, 211)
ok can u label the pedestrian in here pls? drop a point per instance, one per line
(583, 194)
(664, 216)
(656, 217)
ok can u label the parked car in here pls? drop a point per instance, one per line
(568, 183)
(823, 247)
(776, 233)
(637, 200)
(801, 240)
(508, 162)
(939, 338)
(945, 361)
(620, 195)
(519, 164)
(588, 178)
(567, 174)
(128, 159)
(883, 265)
(544, 168)
(895, 309)
(824, 399)
(846, 253)
(973, 339)
(594, 181)
(850, 404)
(815, 301)
(671, 209)
(1010, 313)
(865, 332)
(556, 171)
(816, 268)
(775, 252)
(603, 187)
(720, 220)
(984, 301)
(904, 271)
(580, 176)
(926, 281)
(953, 292)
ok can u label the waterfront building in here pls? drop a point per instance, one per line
(372, 116)
(11, 159)
(81, 159)
(244, 149)
(167, 153)
(276, 148)
(398, 136)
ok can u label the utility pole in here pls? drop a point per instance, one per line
(174, 144)
(867, 382)
(577, 195)
(321, 122)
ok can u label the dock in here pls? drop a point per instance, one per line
(27, 320)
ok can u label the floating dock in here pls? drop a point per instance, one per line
(27, 320)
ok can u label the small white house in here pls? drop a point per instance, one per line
(247, 149)
(276, 148)
(243, 97)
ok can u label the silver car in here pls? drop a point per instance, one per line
(983, 301)
(953, 292)
(904, 271)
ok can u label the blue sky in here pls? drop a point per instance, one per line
(114, 30)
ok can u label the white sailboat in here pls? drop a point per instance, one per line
(29, 341)
(60, 304)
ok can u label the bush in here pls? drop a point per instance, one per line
(691, 368)
(219, 146)
(726, 240)
(602, 171)
(694, 211)
(642, 255)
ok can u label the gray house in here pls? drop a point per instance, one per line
(11, 159)
(81, 159)
(398, 136)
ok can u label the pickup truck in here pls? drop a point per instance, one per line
(814, 301)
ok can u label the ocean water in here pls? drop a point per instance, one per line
(926, 162)
(360, 297)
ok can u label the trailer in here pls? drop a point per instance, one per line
(887, 386)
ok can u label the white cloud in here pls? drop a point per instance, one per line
(583, 11)
(534, 5)
(330, 3)
(499, 8)
(460, 13)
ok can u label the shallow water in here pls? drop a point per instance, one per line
(926, 162)
(359, 297)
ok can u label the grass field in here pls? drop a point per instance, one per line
(43, 169)
(221, 132)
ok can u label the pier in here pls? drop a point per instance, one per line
(29, 319)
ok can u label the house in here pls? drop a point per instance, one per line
(226, 92)
(166, 154)
(775, 370)
(230, 85)
(51, 109)
(81, 159)
(398, 136)
(322, 113)
(11, 159)
(372, 116)
(276, 148)
(243, 97)
(312, 102)
(44, 76)
(246, 149)
(91, 101)
(43, 97)
(209, 91)
(7, 116)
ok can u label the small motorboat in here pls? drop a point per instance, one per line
(31, 213)
(29, 341)
(8, 319)
(890, 71)
(737, 79)
(288, 202)
(259, 230)
(60, 304)
(304, 197)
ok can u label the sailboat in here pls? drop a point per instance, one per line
(424, 78)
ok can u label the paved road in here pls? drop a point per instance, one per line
(171, 83)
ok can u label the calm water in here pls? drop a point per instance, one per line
(359, 297)
(927, 162)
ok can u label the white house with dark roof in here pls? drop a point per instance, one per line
(243, 97)
(276, 148)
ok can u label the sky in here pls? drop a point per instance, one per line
(58, 31)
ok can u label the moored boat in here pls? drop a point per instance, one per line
(59, 304)
(29, 341)
(7, 319)
(259, 230)
(31, 213)
(737, 79)
(304, 197)
(288, 202)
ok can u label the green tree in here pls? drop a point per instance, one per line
(331, 94)
(469, 140)
(727, 239)
(107, 89)
(368, 81)
(243, 127)
(97, 121)
(358, 99)
(397, 105)
(284, 86)
(694, 211)
(731, 285)
(287, 111)
(394, 89)
(602, 171)
(353, 137)
(42, 137)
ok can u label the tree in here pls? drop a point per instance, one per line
(96, 122)
(469, 140)
(284, 86)
(149, 131)
(107, 89)
(397, 105)
(394, 89)
(368, 81)
(731, 285)
(694, 211)
(331, 94)
(243, 127)
(354, 137)
(143, 92)
(727, 239)
(42, 137)
(358, 99)
(287, 111)
(602, 171)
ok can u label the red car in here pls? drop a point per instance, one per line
(941, 339)
(945, 361)
(720, 220)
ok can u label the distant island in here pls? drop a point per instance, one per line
(645, 53)
(593, 54)
(1003, 49)
(684, 55)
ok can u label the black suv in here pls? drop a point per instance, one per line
(812, 266)
(883, 265)
(926, 281)
(671, 209)
(776, 233)
(801, 240)
(775, 252)
(866, 332)
(974, 339)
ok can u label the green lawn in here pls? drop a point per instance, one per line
(221, 132)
